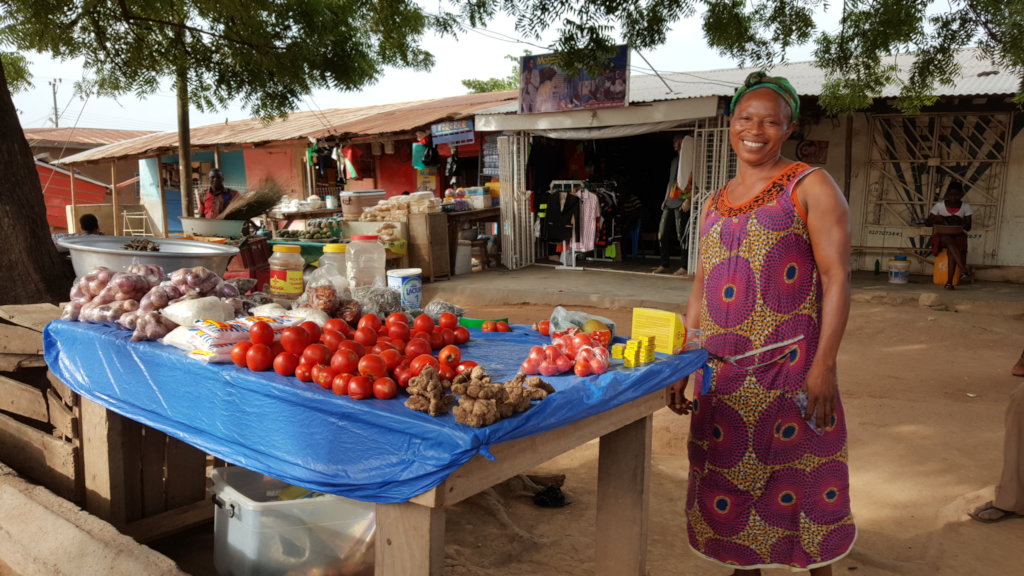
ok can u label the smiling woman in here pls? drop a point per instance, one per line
(768, 478)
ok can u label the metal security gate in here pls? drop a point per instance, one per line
(914, 159)
(713, 165)
(518, 248)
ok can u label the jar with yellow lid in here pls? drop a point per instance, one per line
(335, 254)
(286, 265)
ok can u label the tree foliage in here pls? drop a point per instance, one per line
(19, 77)
(510, 82)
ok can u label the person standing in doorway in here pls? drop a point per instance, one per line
(217, 196)
(674, 226)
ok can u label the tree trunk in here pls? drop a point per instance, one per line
(33, 270)
(184, 140)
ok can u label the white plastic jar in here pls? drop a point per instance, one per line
(286, 265)
(336, 254)
(366, 262)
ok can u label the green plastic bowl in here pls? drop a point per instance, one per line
(478, 322)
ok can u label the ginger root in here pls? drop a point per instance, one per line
(482, 402)
(428, 393)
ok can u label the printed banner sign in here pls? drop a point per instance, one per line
(543, 88)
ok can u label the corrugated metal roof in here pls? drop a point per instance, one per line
(978, 77)
(342, 122)
(88, 137)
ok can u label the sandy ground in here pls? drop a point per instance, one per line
(924, 391)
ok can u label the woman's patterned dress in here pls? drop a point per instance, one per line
(765, 489)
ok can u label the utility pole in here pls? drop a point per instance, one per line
(56, 114)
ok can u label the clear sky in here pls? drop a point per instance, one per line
(477, 54)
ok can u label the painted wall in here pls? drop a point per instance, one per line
(282, 164)
(395, 173)
(1010, 244)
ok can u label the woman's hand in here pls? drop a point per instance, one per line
(821, 386)
(675, 397)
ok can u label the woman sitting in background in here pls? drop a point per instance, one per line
(951, 219)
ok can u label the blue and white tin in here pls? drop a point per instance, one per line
(409, 283)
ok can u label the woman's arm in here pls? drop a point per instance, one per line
(828, 222)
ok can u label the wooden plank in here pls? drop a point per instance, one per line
(69, 396)
(40, 456)
(34, 316)
(11, 362)
(62, 416)
(170, 522)
(516, 456)
(23, 400)
(410, 540)
(186, 474)
(154, 455)
(103, 462)
(18, 340)
(623, 470)
(131, 458)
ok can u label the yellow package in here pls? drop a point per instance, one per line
(667, 329)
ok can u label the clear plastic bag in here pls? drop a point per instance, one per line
(562, 319)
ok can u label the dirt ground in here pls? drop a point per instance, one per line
(924, 392)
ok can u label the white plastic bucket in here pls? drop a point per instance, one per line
(409, 283)
(899, 271)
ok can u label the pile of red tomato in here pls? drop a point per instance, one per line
(495, 326)
(570, 350)
(373, 360)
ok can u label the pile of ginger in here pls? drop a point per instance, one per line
(480, 402)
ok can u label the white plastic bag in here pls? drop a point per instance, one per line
(186, 312)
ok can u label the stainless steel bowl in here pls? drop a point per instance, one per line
(89, 252)
(212, 227)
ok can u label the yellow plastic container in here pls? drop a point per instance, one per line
(667, 328)
(940, 269)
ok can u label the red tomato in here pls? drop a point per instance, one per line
(396, 318)
(285, 363)
(464, 365)
(421, 361)
(530, 367)
(544, 327)
(238, 353)
(261, 333)
(563, 364)
(303, 372)
(446, 371)
(384, 388)
(399, 331)
(402, 374)
(345, 360)
(392, 358)
(338, 325)
(448, 320)
(259, 358)
(295, 339)
(447, 336)
(382, 346)
(314, 330)
(490, 326)
(582, 368)
(450, 355)
(436, 341)
(502, 326)
(417, 346)
(372, 365)
(461, 335)
(354, 346)
(316, 353)
(371, 321)
(340, 384)
(423, 323)
(365, 336)
(323, 375)
(360, 387)
(276, 348)
(332, 339)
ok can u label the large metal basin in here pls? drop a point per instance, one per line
(212, 227)
(89, 252)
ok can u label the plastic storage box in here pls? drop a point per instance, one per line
(263, 526)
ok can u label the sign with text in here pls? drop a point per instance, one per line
(544, 88)
(453, 132)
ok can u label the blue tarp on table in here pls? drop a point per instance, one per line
(297, 432)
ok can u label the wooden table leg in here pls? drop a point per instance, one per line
(623, 477)
(410, 540)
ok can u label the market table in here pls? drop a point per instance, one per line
(457, 218)
(410, 464)
(275, 218)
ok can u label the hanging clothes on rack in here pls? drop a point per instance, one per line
(590, 219)
(560, 211)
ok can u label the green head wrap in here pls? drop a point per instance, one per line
(779, 84)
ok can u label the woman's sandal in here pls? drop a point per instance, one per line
(949, 286)
(988, 513)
